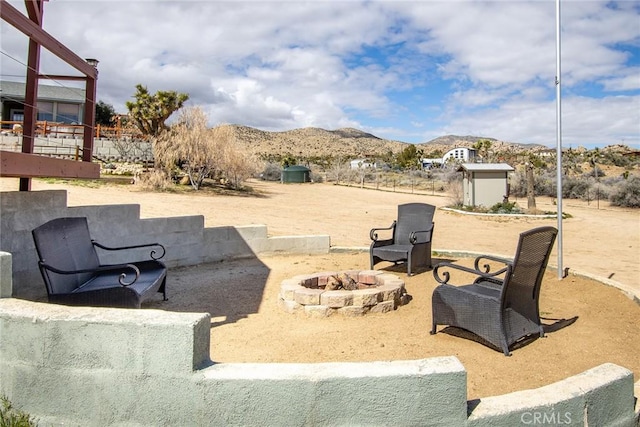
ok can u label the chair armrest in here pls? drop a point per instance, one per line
(486, 268)
(413, 236)
(101, 269)
(373, 234)
(145, 245)
(444, 279)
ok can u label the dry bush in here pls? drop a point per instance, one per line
(191, 145)
(456, 192)
(627, 193)
(202, 152)
(235, 163)
(156, 179)
(340, 172)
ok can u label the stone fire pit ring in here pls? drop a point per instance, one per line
(375, 292)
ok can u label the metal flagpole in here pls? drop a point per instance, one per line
(558, 143)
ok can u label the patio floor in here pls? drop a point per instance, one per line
(587, 323)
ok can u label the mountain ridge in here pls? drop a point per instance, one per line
(349, 143)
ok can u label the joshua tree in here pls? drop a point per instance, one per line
(149, 112)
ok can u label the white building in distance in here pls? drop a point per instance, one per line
(454, 156)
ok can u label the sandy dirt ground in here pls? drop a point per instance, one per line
(587, 323)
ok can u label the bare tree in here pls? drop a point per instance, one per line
(189, 144)
(235, 163)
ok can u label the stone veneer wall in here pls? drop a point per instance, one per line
(65, 145)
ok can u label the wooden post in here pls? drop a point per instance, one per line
(30, 107)
(89, 119)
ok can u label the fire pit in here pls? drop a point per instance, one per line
(350, 293)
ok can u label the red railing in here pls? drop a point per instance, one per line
(63, 130)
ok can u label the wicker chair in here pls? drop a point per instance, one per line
(502, 306)
(411, 238)
(73, 274)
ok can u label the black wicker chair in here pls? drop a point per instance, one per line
(500, 307)
(73, 275)
(410, 240)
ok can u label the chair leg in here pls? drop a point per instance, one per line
(505, 348)
(163, 288)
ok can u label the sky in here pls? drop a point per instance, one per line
(403, 70)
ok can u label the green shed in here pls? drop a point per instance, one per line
(296, 173)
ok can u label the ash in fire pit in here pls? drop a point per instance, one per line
(350, 293)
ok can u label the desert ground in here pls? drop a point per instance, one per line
(588, 323)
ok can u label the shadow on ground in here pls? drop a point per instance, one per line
(227, 290)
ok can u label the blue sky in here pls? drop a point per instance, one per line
(404, 70)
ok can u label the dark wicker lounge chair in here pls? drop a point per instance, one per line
(410, 240)
(500, 307)
(73, 274)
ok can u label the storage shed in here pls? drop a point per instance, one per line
(296, 173)
(485, 184)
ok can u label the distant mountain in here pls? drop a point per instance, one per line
(348, 143)
(315, 142)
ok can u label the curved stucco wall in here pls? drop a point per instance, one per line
(103, 367)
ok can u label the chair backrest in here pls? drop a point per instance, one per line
(522, 286)
(65, 244)
(412, 217)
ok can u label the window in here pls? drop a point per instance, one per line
(45, 111)
(17, 115)
(68, 113)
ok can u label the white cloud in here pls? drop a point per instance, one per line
(403, 69)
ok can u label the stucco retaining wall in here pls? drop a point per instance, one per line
(187, 240)
(105, 367)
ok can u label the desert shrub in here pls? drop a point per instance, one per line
(154, 180)
(598, 191)
(596, 173)
(575, 188)
(615, 159)
(315, 177)
(544, 183)
(236, 165)
(12, 417)
(627, 193)
(505, 208)
(272, 172)
(339, 172)
(456, 191)
(447, 175)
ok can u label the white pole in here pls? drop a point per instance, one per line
(558, 143)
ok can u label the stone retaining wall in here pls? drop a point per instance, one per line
(108, 150)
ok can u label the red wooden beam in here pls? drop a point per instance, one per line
(34, 10)
(30, 106)
(21, 165)
(14, 17)
(32, 27)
